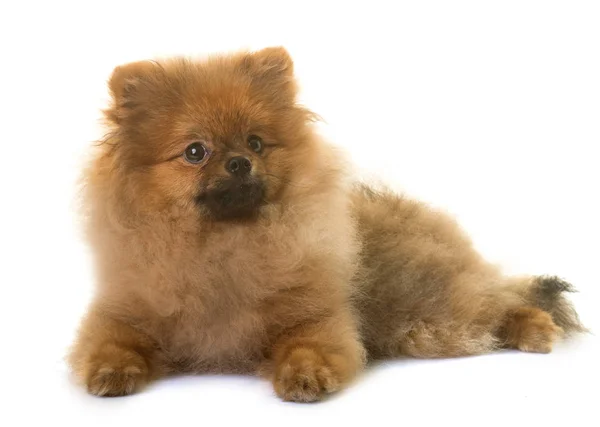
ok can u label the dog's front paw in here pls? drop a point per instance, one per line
(114, 371)
(305, 376)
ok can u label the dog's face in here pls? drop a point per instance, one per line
(223, 135)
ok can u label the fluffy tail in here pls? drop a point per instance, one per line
(547, 293)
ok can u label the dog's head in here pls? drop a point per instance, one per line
(224, 135)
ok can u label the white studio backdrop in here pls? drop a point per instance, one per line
(490, 110)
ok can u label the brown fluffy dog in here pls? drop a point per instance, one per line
(228, 239)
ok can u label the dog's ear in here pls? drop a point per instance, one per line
(130, 86)
(272, 69)
(275, 62)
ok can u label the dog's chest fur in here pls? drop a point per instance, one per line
(227, 296)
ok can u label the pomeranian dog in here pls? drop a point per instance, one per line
(228, 237)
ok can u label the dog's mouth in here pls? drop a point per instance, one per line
(233, 199)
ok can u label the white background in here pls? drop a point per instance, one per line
(488, 109)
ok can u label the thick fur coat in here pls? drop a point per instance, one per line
(228, 237)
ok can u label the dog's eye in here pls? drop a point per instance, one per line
(195, 153)
(255, 143)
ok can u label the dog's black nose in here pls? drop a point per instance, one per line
(239, 166)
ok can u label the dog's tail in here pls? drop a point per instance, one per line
(548, 293)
